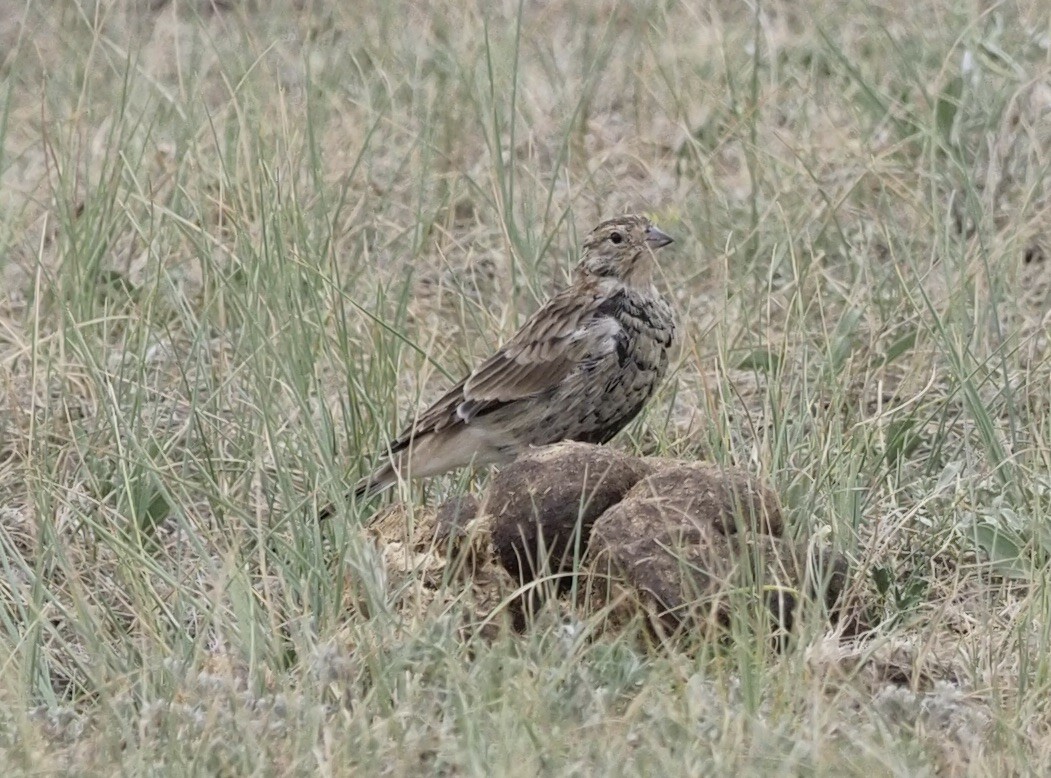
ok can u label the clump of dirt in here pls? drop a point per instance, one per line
(694, 542)
(685, 544)
(544, 504)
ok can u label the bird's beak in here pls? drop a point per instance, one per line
(655, 238)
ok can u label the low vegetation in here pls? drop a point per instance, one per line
(239, 242)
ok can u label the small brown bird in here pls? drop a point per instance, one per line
(580, 368)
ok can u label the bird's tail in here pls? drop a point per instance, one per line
(429, 454)
(368, 487)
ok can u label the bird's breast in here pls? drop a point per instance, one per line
(647, 331)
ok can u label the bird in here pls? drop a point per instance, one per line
(580, 368)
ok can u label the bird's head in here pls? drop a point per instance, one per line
(622, 249)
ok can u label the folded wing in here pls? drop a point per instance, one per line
(559, 338)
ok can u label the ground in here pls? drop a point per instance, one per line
(241, 242)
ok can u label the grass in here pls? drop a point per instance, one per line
(240, 244)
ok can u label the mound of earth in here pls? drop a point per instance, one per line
(545, 503)
(686, 544)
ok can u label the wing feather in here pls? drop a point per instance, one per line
(540, 355)
(567, 330)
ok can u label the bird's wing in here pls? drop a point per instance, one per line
(568, 330)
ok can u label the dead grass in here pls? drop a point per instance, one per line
(239, 241)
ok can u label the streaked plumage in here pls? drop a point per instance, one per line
(580, 368)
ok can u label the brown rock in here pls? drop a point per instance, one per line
(542, 500)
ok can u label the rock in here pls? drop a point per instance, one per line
(538, 502)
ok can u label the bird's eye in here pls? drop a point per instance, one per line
(616, 237)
